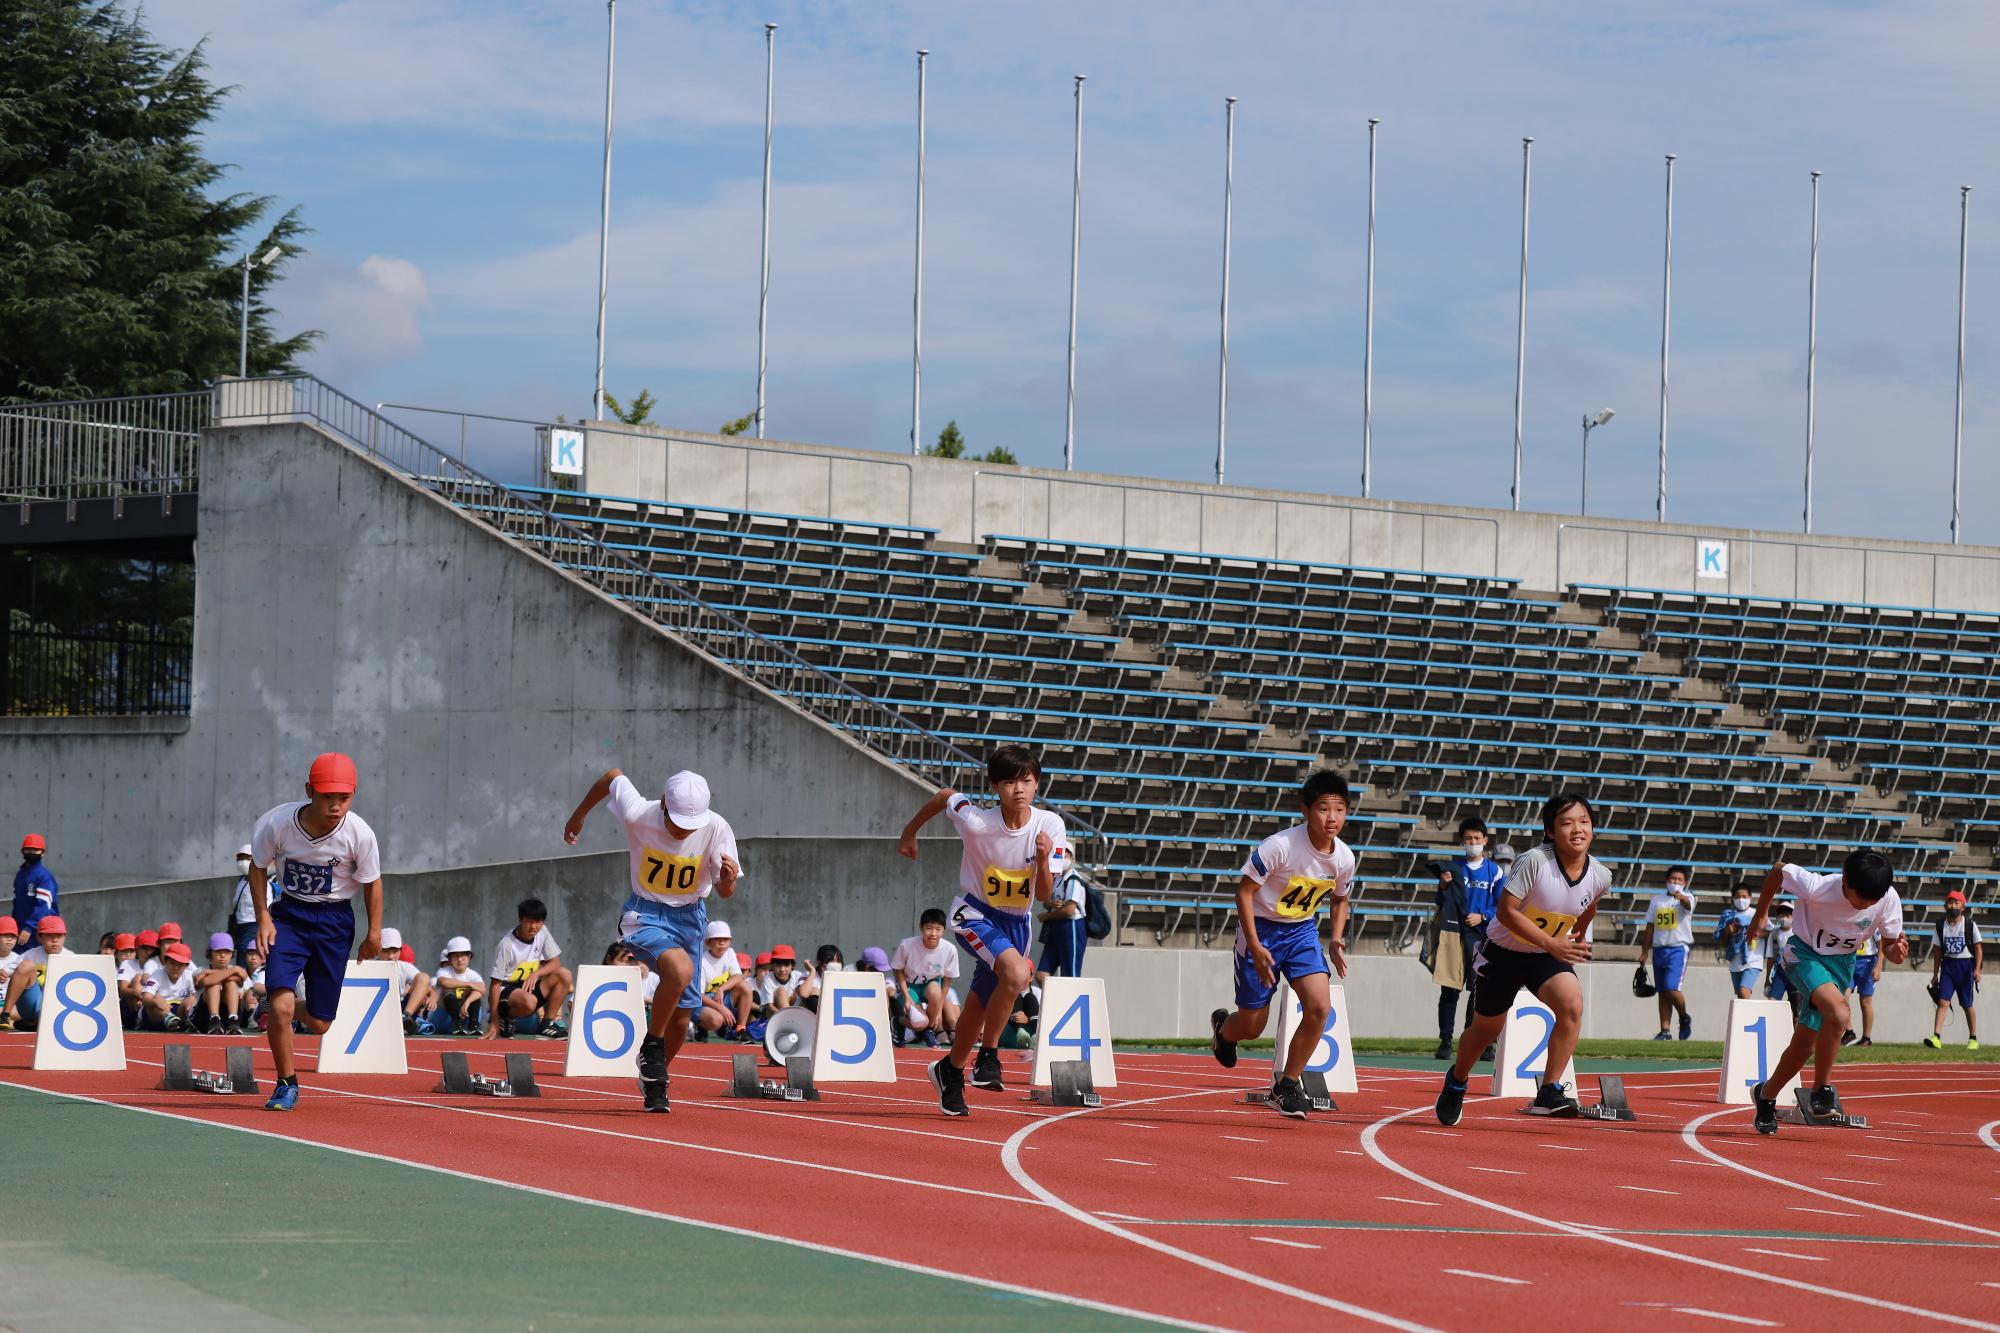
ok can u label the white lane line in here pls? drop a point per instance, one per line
(1122, 1217)
(1871, 1157)
(1421, 1203)
(1986, 1135)
(1010, 1158)
(1256, 1180)
(636, 1211)
(1731, 1318)
(1647, 1189)
(1241, 1138)
(1850, 1180)
(1488, 1277)
(1689, 1161)
(1562, 1147)
(1371, 1138)
(1786, 1254)
(1127, 1124)
(1824, 1212)
(1440, 1133)
(1351, 1152)
(1126, 1161)
(1496, 1171)
(1290, 1244)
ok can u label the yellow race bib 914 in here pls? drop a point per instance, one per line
(665, 873)
(1008, 888)
(1302, 897)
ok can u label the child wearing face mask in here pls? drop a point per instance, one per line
(1467, 888)
(243, 912)
(1955, 965)
(1732, 932)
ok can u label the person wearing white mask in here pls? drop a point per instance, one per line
(1732, 932)
(1467, 888)
(242, 911)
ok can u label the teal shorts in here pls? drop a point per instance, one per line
(1808, 971)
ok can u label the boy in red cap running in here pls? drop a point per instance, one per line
(325, 854)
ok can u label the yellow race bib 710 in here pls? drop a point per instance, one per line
(666, 873)
(1008, 888)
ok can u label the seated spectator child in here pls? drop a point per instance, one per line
(725, 987)
(1019, 1034)
(218, 988)
(528, 977)
(148, 942)
(925, 965)
(10, 935)
(779, 987)
(828, 959)
(124, 948)
(168, 1004)
(622, 955)
(413, 987)
(22, 1004)
(251, 1004)
(873, 959)
(460, 990)
(107, 943)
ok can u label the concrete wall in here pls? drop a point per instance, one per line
(479, 688)
(966, 501)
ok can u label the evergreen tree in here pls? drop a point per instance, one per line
(119, 274)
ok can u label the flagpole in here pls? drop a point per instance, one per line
(1228, 202)
(1075, 260)
(764, 281)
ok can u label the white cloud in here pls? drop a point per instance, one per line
(371, 314)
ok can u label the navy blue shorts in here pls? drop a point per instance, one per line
(987, 933)
(313, 941)
(1062, 950)
(1295, 953)
(1956, 980)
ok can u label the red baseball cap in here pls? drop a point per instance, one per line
(170, 930)
(742, 960)
(407, 954)
(180, 953)
(51, 925)
(33, 843)
(332, 773)
(763, 960)
(783, 954)
(148, 939)
(9, 926)
(124, 942)
(1954, 897)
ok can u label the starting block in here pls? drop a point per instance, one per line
(459, 1078)
(180, 1075)
(1316, 1092)
(1611, 1103)
(796, 1086)
(1803, 1113)
(1070, 1084)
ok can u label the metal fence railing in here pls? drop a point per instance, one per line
(669, 603)
(47, 674)
(115, 448)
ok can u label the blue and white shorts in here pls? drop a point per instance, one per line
(1295, 953)
(1669, 966)
(651, 928)
(986, 934)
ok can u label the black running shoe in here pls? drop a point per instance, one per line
(1451, 1101)
(949, 1080)
(214, 1026)
(1225, 1051)
(1848, 1038)
(232, 1026)
(656, 1095)
(1687, 1026)
(986, 1070)
(1765, 1117)
(1553, 1100)
(1444, 1049)
(1865, 1041)
(653, 1060)
(1824, 1102)
(1289, 1099)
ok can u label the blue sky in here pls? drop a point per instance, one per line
(447, 155)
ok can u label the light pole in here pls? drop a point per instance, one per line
(1666, 339)
(1812, 347)
(264, 260)
(764, 282)
(1228, 203)
(604, 206)
(1958, 411)
(1075, 258)
(1521, 329)
(917, 297)
(1590, 424)
(1368, 330)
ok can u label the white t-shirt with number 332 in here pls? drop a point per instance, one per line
(665, 869)
(316, 870)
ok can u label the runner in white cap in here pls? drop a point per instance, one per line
(680, 850)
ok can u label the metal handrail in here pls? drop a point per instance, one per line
(667, 602)
(116, 448)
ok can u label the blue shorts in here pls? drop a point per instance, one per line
(312, 940)
(1744, 978)
(29, 1006)
(1669, 966)
(1956, 979)
(1864, 974)
(1776, 986)
(1062, 954)
(649, 929)
(1295, 953)
(986, 934)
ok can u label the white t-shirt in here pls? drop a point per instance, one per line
(163, 987)
(406, 975)
(1825, 922)
(666, 869)
(256, 983)
(1547, 896)
(513, 960)
(126, 970)
(652, 985)
(13, 960)
(37, 958)
(921, 966)
(1294, 878)
(1672, 914)
(769, 988)
(1957, 940)
(997, 868)
(717, 972)
(447, 978)
(317, 870)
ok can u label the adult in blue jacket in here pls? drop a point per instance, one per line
(1468, 894)
(35, 890)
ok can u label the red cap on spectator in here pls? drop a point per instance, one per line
(1954, 897)
(125, 942)
(33, 843)
(742, 960)
(180, 953)
(51, 925)
(763, 960)
(148, 939)
(408, 954)
(332, 773)
(783, 954)
(170, 930)
(9, 926)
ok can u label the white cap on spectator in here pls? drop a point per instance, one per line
(457, 944)
(392, 938)
(687, 800)
(1504, 852)
(717, 930)
(244, 851)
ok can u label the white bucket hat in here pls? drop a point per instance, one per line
(687, 800)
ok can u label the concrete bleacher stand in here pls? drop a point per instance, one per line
(1181, 654)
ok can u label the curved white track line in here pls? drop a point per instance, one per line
(1369, 1143)
(1010, 1157)
(1986, 1135)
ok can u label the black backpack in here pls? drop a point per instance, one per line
(1096, 916)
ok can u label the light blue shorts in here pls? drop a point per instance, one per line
(649, 929)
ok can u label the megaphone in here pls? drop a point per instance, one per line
(789, 1033)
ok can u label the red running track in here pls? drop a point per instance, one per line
(1176, 1200)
